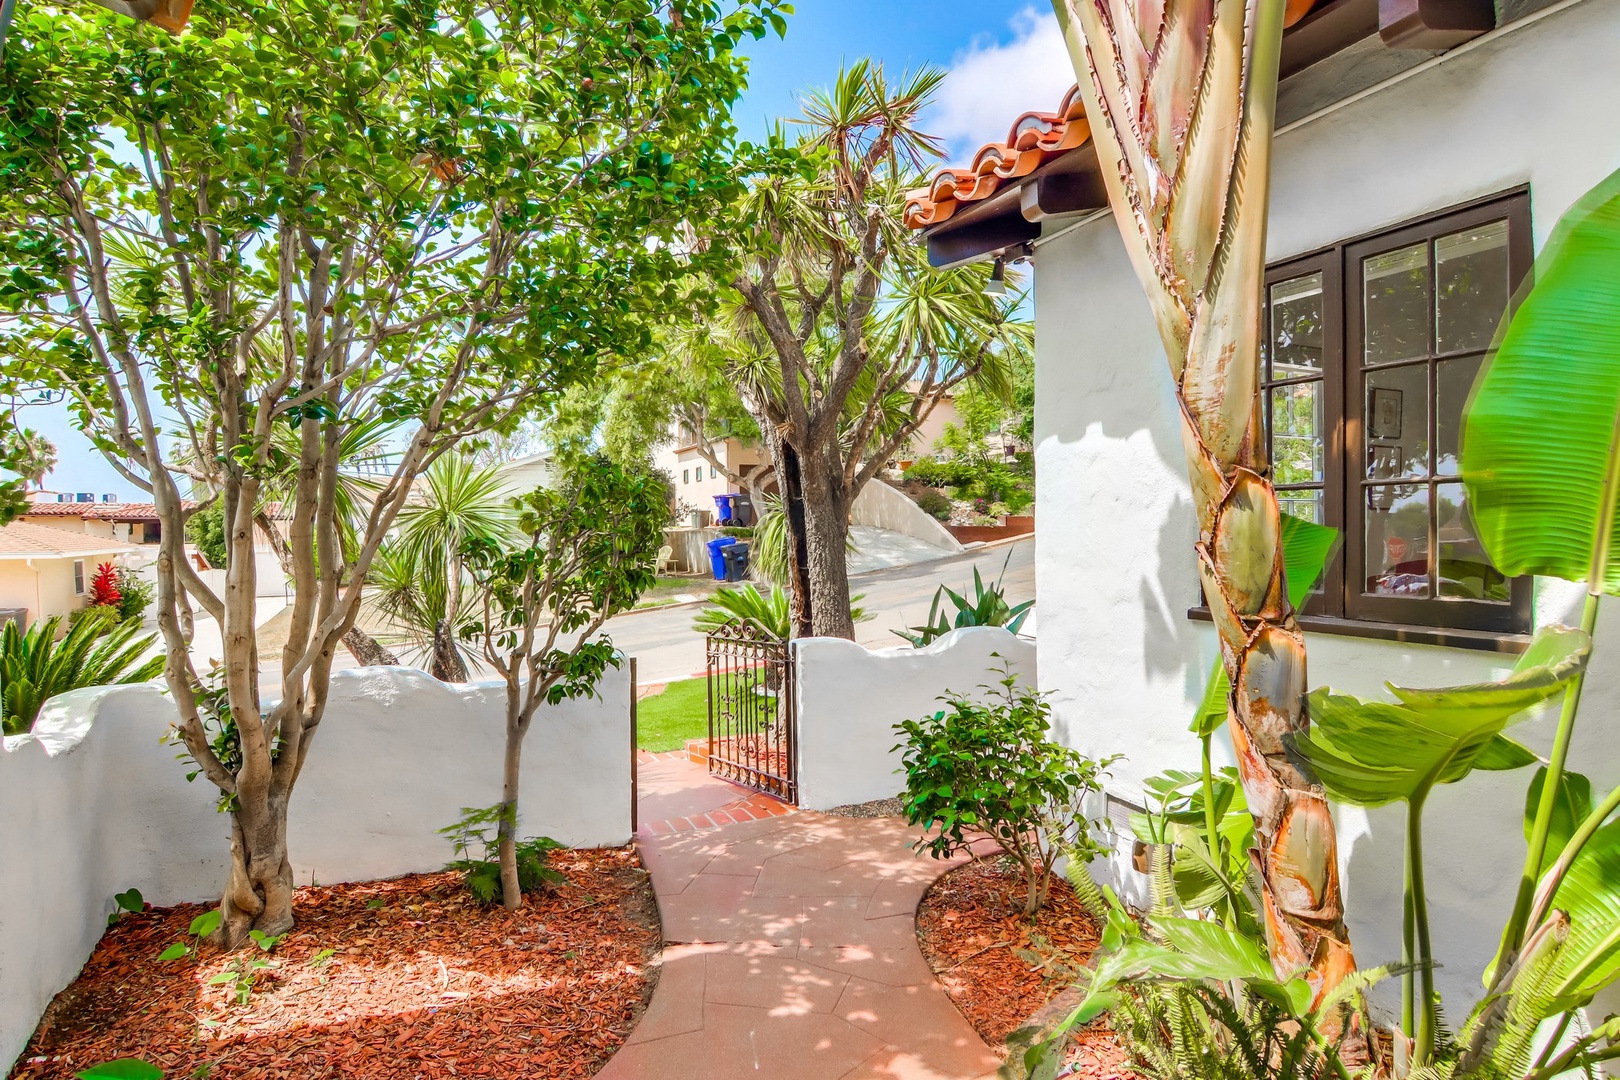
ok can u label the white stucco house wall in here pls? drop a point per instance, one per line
(1375, 147)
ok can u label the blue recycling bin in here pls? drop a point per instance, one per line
(717, 558)
(722, 503)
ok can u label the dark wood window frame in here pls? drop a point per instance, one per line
(1338, 606)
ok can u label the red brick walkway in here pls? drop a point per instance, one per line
(790, 948)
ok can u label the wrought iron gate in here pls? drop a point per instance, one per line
(752, 731)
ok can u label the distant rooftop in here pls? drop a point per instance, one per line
(22, 540)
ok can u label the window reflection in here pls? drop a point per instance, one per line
(1296, 327)
(1397, 536)
(1471, 286)
(1395, 286)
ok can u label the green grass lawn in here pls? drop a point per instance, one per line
(665, 721)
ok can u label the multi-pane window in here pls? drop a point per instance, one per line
(1371, 350)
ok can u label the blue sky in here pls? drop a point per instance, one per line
(1003, 59)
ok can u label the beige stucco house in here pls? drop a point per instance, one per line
(46, 571)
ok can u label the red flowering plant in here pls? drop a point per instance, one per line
(104, 587)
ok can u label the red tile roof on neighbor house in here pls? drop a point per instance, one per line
(1034, 139)
(21, 540)
(121, 512)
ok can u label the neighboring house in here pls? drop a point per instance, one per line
(1410, 191)
(133, 523)
(525, 473)
(697, 480)
(45, 571)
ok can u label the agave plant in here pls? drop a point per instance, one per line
(35, 666)
(988, 607)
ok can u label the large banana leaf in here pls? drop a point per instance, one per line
(1307, 549)
(1590, 895)
(1539, 450)
(1373, 752)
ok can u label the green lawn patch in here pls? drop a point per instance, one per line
(666, 720)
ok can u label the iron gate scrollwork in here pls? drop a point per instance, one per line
(752, 733)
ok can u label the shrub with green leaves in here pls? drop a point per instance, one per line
(35, 666)
(205, 530)
(135, 594)
(986, 765)
(482, 873)
(934, 504)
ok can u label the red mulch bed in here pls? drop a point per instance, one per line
(972, 928)
(425, 982)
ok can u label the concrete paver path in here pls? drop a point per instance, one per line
(791, 954)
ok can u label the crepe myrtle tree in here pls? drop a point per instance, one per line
(589, 550)
(319, 216)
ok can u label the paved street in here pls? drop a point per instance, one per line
(666, 648)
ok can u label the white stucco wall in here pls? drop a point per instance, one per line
(885, 507)
(1115, 528)
(849, 698)
(93, 804)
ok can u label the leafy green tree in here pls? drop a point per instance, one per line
(317, 217)
(590, 551)
(206, 530)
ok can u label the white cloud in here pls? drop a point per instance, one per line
(992, 81)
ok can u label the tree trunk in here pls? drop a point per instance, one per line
(511, 890)
(446, 664)
(367, 650)
(793, 512)
(259, 889)
(826, 527)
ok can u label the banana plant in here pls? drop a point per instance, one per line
(1372, 753)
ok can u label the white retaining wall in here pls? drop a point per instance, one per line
(92, 804)
(886, 507)
(849, 698)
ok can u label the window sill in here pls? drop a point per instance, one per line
(1479, 640)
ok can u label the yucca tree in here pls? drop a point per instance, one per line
(461, 503)
(35, 666)
(847, 340)
(1181, 96)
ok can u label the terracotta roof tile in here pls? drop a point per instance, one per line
(22, 540)
(1034, 139)
(120, 512)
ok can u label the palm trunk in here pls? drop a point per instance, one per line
(793, 512)
(1180, 98)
